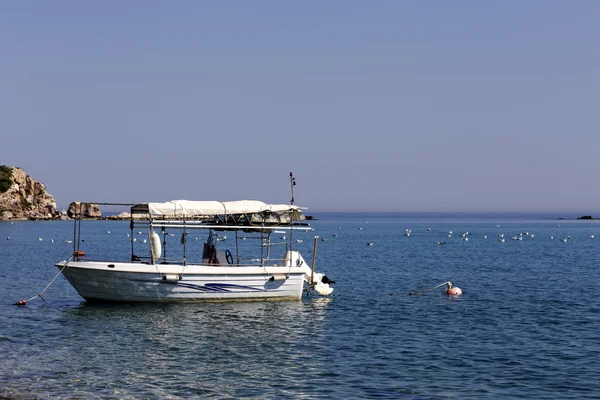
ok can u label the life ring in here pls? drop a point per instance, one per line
(228, 256)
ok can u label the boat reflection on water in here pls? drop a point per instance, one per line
(196, 349)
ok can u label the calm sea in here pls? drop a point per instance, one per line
(526, 327)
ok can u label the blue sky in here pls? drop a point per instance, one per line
(375, 106)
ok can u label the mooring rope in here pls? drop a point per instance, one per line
(24, 302)
(427, 290)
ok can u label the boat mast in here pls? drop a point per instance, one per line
(292, 184)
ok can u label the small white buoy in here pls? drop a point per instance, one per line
(452, 290)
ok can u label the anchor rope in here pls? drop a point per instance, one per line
(427, 290)
(52, 281)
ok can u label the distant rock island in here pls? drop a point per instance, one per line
(587, 217)
(22, 197)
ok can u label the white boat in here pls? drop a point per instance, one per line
(271, 270)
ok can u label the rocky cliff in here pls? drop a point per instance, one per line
(22, 197)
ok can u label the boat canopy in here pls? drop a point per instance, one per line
(187, 208)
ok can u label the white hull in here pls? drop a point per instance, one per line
(137, 282)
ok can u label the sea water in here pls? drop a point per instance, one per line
(526, 327)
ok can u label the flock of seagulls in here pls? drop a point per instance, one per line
(464, 236)
(408, 232)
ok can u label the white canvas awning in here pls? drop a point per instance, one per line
(187, 208)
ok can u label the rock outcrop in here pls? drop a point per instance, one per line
(22, 197)
(91, 211)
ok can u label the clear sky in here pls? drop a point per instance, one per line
(374, 105)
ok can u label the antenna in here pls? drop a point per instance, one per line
(292, 184)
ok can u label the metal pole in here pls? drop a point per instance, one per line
(292, 183)
(312, 272)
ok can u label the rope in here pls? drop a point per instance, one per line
(23, 302)
(427, 290)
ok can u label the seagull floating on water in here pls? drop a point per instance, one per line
(441, 242)
(369, 243)
(40, 239)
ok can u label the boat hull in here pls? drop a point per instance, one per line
(136, 282)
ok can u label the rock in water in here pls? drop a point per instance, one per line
(22, 197)
(87, 210)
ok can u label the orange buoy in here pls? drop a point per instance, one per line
(452, 290)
